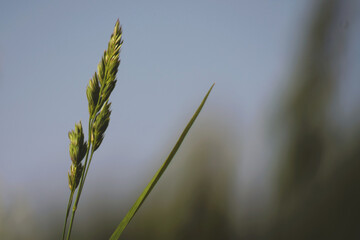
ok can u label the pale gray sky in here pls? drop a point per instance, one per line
(172, 53)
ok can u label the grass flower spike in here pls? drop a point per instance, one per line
(98, 93)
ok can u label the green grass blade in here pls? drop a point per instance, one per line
(120, 228)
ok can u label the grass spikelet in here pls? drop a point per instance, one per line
(100, 125)
(77, 147)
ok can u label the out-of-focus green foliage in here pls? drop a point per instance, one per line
(307, 108)
(319, 174)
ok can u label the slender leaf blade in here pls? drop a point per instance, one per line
(120, 228)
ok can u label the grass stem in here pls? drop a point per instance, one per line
(67, 212)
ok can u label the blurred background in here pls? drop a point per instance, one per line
(275, 153)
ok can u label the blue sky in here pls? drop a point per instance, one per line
(173, 51)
